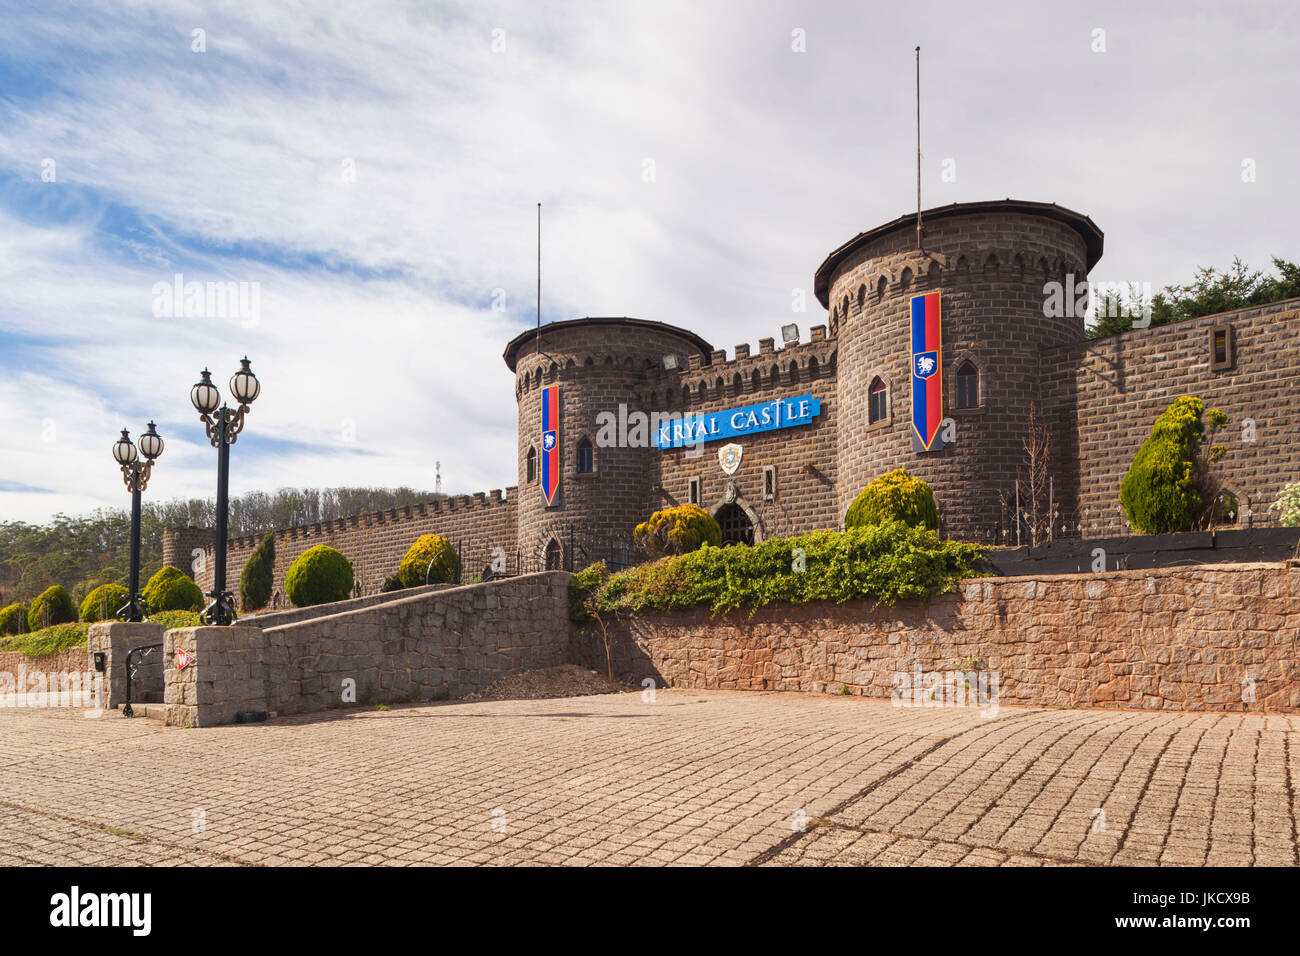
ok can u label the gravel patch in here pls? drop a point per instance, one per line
(567, 680)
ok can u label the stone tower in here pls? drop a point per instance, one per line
(990, 261)
(598, 365)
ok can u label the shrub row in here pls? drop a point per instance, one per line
(883, 563)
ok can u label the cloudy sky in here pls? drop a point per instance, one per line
(370, 172)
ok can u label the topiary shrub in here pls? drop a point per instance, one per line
(1168, 487)
(172, 590)
(677, 530)
(53, 606)
(103, 602)
(321, 575)
(13, 619)
(257, 578)
(894, 495)
(429, 548)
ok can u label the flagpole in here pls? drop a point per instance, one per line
(918, 147)
(538, 336)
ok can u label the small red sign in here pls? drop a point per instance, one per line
(183, 660)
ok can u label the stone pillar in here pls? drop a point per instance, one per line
(226, 675)
(115, 639)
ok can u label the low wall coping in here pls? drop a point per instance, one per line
(413, 599)
(1171, 571)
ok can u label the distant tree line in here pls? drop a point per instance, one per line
(1209, 293)
(84, 551)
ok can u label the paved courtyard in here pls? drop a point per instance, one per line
(692, 777)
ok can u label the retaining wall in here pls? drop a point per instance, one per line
(1221, 639)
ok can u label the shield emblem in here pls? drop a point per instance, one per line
(729, 458)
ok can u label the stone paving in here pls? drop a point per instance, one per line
(693, 777)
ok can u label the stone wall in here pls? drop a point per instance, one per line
(116, 639)
(226, 676)
(24, 680)
(1169, 639)
(447, 642)
(1103, 397)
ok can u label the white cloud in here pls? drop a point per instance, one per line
(376, 293)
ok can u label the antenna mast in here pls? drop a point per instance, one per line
(437, 481)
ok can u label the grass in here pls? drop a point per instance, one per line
(170, 619)
(48, 641)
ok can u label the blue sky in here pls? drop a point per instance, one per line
(372, 170)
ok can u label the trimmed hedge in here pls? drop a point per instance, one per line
(13, 619)
(321, 575)
(677, 530)
(416, 564)
(103, 602)
(1160, 491)
(258, 577)
(53, 606)
(884, 563)
(896, 495)
(171, 589)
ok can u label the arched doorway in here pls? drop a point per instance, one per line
(554, 556)
(735, 524)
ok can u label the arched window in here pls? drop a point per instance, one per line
(877, 401)
(968, 385)
(554, 557)
(532, 464)
(586, 457)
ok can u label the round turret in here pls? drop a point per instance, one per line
(603, 486)
(990, 262)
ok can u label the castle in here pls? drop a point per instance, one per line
(619, 417)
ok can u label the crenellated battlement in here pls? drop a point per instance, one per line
(747, 372)
(453, 504)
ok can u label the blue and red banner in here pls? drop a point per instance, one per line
(927, 372)
(550, 443)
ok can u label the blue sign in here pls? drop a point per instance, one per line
(749, 420)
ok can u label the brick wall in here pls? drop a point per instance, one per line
(1170, 639)
(1104, 397)
(804, 456)
(374, 542)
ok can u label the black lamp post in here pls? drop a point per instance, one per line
(223, 425)
(136, 475)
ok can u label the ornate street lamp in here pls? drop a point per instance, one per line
(223, 425)
(136, 475)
